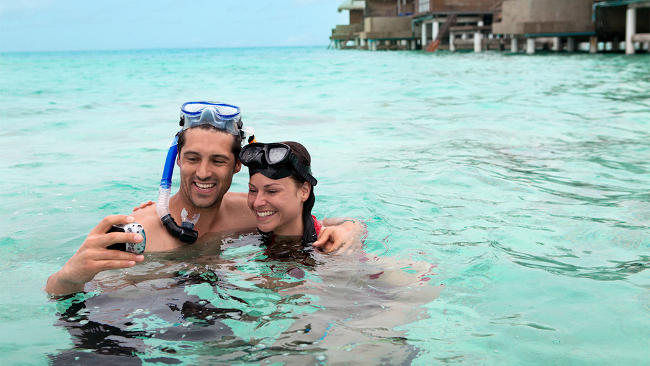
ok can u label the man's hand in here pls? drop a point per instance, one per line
(340, 236)
(93, 257)
(143, 205)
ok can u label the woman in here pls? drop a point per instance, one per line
(281, 192)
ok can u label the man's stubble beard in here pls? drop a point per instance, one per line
(223, 189)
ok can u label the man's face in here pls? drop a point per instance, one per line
(207, 165)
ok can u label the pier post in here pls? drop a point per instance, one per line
(424, 36)
(630, 29)
(530, 46)
(452, 46)
(514, 44)
(363, 42)
(478, 38)
(616, 45)
(570, 44)
(435, 29)
(556, 44)
(413, 46)
(593, 44)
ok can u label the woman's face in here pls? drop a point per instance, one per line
(277, 204)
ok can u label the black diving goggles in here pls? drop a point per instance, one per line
(275, 161)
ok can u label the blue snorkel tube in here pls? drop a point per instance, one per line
(223, 117)
(186, 232)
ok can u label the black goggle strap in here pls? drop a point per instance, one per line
(302, 170)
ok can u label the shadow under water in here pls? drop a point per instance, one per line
(234, 300)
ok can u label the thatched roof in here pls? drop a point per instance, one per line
(352, 5)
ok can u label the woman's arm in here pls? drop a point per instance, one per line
(341, 235)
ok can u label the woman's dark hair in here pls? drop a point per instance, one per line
(309, 231)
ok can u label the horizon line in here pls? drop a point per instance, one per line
(159, 49)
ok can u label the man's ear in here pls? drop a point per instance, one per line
(237, 167)
(304, 191)
(178, 160)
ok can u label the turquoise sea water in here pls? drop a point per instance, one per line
(523, 179)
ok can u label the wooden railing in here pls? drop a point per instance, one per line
(347, 29)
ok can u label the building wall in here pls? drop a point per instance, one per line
(356, 16)
(387, 8)
(545, 16)
(387, 28)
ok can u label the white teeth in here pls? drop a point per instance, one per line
(265, 213)
(204, 185)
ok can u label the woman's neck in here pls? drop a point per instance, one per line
(292, 228)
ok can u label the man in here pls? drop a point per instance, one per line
(208, 159)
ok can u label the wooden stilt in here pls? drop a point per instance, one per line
(630, 29)
(530, 46)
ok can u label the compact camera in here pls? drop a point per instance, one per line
(137, 248)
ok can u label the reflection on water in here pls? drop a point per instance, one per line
(233, 300)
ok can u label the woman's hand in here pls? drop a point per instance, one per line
(143, 205)
(342, 236)
(93, 257)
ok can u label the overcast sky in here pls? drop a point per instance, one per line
(62, 25)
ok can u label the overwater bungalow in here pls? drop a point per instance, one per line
(344, 33)
(530, 25)
(457, 24)
(566, 25)
(385, 24)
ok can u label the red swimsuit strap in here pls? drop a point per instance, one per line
(317, 225)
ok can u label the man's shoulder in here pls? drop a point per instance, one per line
(146, 216)
(235, 200)
(157, 236)
(234, 210)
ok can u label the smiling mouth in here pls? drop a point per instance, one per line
(205, 185)
(263, 214)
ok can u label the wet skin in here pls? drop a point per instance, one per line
(206, 167)
(277, 204)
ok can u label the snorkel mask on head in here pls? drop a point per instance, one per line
(224, 117)
(274, 161)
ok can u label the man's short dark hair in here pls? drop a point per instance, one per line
(236, 144)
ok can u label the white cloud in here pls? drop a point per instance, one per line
(7, 6)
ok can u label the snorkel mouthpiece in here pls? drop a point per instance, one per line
(189, 223)
(183, 234)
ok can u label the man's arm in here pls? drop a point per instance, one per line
(93, 257)
(341, 235)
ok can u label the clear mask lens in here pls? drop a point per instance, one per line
(222, 116)
(277, 154)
